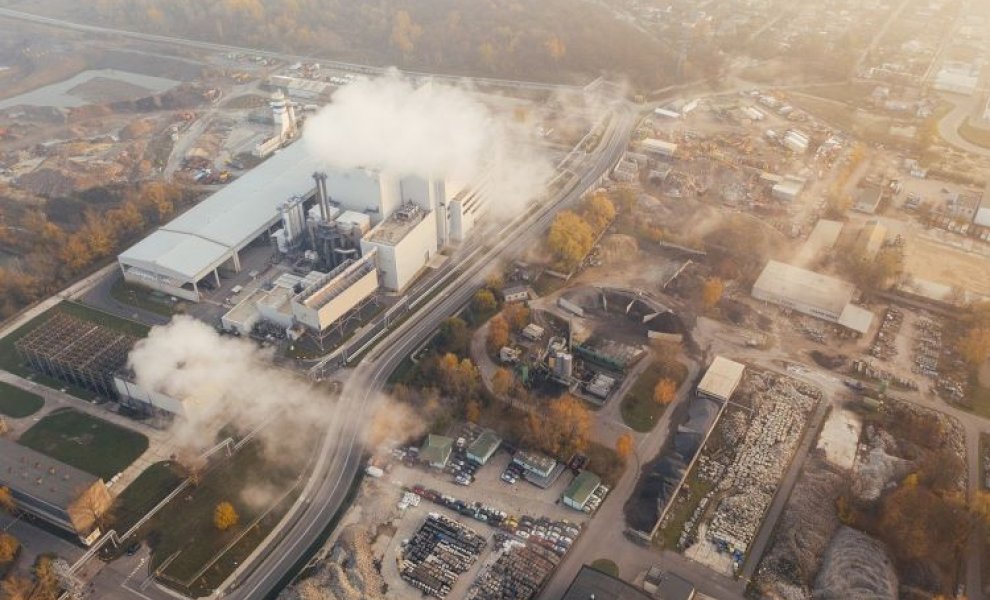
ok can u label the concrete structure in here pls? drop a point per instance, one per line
(958, 78)
(322, 304)
(404, 243)
(812, 294)
(482, 448)
(149, 402)
(77, 352)
(721, 379)
(870, 239)
(667, 585)
(579, 492)
(788, 189)
(54, 492)
(592, 584)
(436, 450)
(515, 293)
(659, 148)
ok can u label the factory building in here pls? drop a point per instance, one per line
(813, 294)
(304, 207)
(577, 494)
(54, 492)
(324, 303)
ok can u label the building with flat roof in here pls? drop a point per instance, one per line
(822, 239)
(54, 492)
(592, 584)
(665, 585)
(405, 242)
(721, 379)
(484, 446)
(579, 492)
(436, 450)
(325, 302)
(812, 294)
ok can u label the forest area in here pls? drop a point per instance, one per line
(547, 40)
(57, 241)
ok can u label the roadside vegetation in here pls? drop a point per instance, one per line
(655, 389)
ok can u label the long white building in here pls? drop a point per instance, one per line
(813, 294)
(211, 235)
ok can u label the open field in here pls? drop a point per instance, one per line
(924, 259)
(93, 445)
(975, 135)
(198, 556)
(150, 487)
(16, 403)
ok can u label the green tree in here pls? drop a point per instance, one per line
(484, 301)
(455, 336)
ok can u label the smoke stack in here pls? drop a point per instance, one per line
(321, 195)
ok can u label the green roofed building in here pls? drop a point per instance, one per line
(484, 447)
(579, 492)
(436, 450)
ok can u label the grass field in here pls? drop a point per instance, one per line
(93, 445)
(16, 403)
(639, 410)
(258, 488)
(9, 361)
(150, 487)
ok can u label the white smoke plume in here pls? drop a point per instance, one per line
(432, 130)
(230, 381)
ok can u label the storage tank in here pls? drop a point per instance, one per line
(293, 220)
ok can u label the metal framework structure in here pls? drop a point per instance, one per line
(77, 352)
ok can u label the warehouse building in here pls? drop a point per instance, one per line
(579, 492)
(436, 450)
(721, 379)
(812, 294)
(482, 448)
(77, 352)
(659, 148)
(54, 492)
(405, 243)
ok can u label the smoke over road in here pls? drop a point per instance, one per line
(231, 381)
(431, 131)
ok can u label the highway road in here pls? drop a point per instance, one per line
(340, 458)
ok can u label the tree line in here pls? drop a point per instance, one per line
(50, 255)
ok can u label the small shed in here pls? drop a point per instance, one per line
(515, 293)
(579, 492)
(436, 450)
(482, 448)
(721, 379)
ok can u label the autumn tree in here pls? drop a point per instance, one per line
(502, 382)
(459, 378)
(7, 503)
(484, 301)
(46, 581)
(555, 47)
(599, 211)
(517, 316)
(405, 32)
(570, 239)
(624, 445)
(494, 281)
(564, 429)
(472, 411)
(498, 333)
(225, 516)
(15, 587)
(711, 292)
(917, 524)
(8, 547)
(974, 346)
(664, 391)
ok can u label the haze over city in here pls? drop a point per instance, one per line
(528, 300)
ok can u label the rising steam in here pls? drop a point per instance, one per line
(431, 131)
(230, 381)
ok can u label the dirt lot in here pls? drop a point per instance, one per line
(926, 259)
